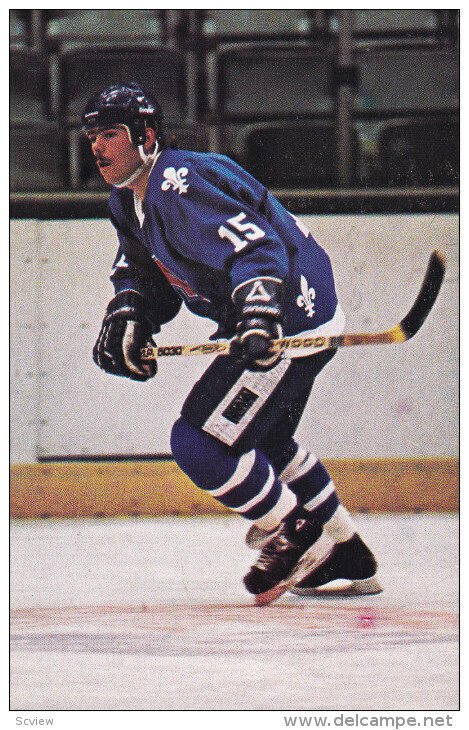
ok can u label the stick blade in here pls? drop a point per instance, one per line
(427, 295)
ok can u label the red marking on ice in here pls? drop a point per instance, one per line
(334, 615)
(367, 620)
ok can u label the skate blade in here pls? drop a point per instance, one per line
(263, 599)
(314, 557)
(342, 588)
(367, 586)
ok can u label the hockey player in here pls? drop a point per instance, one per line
(197, 228)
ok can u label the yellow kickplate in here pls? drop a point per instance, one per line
(111, 488)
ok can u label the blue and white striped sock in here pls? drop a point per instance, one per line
(309, 479)
(245, 483)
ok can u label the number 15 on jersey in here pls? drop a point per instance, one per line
(238, 223)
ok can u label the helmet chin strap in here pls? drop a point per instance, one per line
(148, 160)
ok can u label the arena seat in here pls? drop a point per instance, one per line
(267, 81)
(292, 154)
(37, 157)
(242, 24)
(69, 27)
(83, 71)
(421, 84)
(28, 85)
(419, 153)
(390, 22)
(417, 79)
(18, 31)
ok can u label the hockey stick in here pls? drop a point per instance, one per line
(401, 332)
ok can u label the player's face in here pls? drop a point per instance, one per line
(116, 157)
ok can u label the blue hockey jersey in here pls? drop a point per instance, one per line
(205, 227)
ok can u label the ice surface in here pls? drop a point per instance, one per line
(151, 614)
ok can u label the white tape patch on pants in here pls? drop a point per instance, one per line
(241, 404)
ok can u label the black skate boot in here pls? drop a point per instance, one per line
(288, 557)
(351, 560)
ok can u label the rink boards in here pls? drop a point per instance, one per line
(110, 488)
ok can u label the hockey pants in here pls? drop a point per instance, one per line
(235, 439)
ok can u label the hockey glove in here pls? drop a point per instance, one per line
(125, 330)
(259, 308)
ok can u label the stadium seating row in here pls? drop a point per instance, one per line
(419, 153)
(270, 104)
(294, 79)
(62, 27)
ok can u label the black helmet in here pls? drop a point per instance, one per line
(126, 104)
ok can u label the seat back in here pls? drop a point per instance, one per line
(162, 72)
(69, 27)
(28, 85)
(226, 25)
(407, 80)
(37, 158)
(293, 154)
(262, 82)
(420, 153)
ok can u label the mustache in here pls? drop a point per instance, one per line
(100, 160)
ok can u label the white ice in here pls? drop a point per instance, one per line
(151, 614)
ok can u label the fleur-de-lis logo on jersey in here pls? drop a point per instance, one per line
(175, 179)
(307, 297)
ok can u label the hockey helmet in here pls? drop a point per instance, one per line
(127, 104)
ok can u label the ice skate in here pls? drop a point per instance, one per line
(288, 557)
(351, 560)
(256, 538)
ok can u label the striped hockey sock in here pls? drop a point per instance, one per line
(309, 479)
(245, 483)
